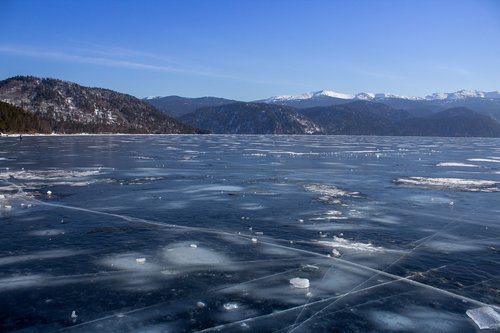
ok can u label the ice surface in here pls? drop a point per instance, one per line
(124, 258)
(485, 317)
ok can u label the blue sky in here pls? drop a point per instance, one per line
(252, 49)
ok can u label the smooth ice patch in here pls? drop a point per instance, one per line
(417, 319)
(469, 185)
(21, 281)
(183, 254)
(429, 199)
(129, 262)
(392, 321)
(485, 317)
(47, 232)
(41, 255)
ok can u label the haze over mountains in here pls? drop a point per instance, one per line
(65, 107)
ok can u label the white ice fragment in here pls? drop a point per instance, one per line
(299, 282)
(259, 233)
(231, 306)
(8, 206)
(485, 317)
(301, 221)
(2, 196)
(194, 246)
(74, 315)
(200, 304)
(335, 253)
(140, 260)
(49, 192)
(254, 240)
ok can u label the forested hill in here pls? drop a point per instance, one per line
(71, 108)
(13, 119)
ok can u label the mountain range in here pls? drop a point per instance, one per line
(32, 104)
(483, 102)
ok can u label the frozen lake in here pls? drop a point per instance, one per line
(206, 233)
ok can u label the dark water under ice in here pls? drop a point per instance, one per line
(204, 233)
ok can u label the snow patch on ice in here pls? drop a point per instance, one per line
(491, 160)
(300, 282)
(457, 164)
(339, 242)
(330, 190)
(182, 254)
(469, 185)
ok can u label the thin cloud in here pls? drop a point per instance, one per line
(380, 75)
(124, 63)
(454, 70)
(104, 61)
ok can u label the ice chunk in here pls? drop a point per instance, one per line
(194, 246)
(485, 317)
(74, 315)
(200, 304)
(254, 240)
(49, 192)
(299, 282)
(140, 260)
(231, 306)
(335, 253)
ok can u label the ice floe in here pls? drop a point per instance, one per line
(469, 185)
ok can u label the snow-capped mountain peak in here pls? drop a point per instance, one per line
(461, 94)
(310, 95)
